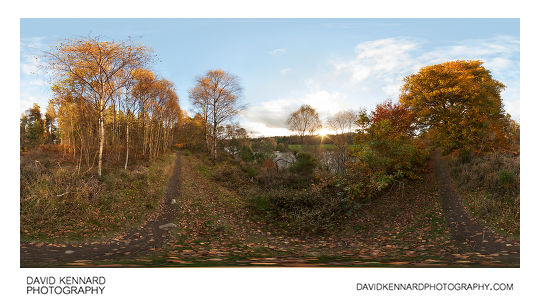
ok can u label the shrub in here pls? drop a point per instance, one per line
(58, 203)
(381, 158)
(251, 171)
(261, 202)
(314, 209)
(304, 165)
(231, 175)
(246, 153)
(489, 185)
(465, 155)
(506, 178)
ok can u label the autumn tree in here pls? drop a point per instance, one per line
(236, 137)
(200, 99)
(458, 101)
(97, 71)
(191, 133)
(387, 149)
(399, 116)
(343, 123)
(33, 126)
(50, 121)
(22, 133)
(106, 101)
(141, 94)
(264, 147)
(216, 98)
(304, 121)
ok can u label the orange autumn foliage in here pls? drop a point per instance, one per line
(459, 103)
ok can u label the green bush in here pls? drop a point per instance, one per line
(315, 209)
(379, 161)
(246, 153)
(251, 171)
(304, 165)
(260, 202)
(506, 178)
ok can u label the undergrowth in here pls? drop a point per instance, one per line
(59, 204)
(489, 186)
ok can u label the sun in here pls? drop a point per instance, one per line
(324, 132)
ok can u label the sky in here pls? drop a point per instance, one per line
(330, 64)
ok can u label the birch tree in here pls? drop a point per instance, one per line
(304, 121)
(216, 98)
(94, 67)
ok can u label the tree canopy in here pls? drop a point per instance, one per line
(215, 97)
(458, 101)
(304, 121)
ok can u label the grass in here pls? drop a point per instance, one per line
(59, 205)
(310, 148)
(316, 147)
(401, 228)
(215, 229)
(489, 186)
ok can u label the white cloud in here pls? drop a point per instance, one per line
(30, 64)
(277, 51)
(35, 43)
(38, 82)
(285, 71)
(381, 65)
(270, 117)
(377, 59)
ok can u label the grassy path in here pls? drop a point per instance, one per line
(466, 231)
(148, 237)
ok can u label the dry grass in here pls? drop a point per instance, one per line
(59, 204)
(489, 185)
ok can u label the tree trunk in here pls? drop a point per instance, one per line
(127, 138)
(101, 137)
(214, 136)
(206, 139)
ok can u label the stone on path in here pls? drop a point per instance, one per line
(167, 226)
(173, 201)
(69, 252)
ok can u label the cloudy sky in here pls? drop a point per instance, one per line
(330, 64)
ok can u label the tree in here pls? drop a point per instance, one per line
(97, 70)
(387, 150)
(304, 121)
(236, 137)
(458, 101)
(216, 97)
(264, 147)
(200, 99)
(398, 115)
(344, 124)
(34, 126)
(50, 120)
(191, 133)
(22, 133)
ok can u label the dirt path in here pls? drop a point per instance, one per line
(467, 232)
(135, 242)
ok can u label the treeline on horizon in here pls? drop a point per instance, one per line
(109, 106)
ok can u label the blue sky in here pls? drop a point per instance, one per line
(331, 64)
